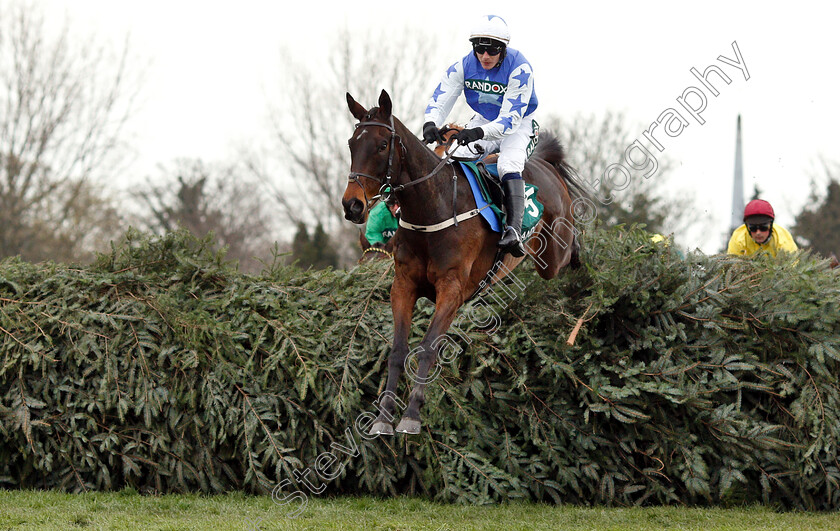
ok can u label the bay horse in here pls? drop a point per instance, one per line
(449, 265)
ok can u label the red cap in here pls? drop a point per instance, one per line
(759, 207)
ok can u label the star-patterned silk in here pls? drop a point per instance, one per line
(502, 95)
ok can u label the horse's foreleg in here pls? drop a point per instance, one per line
(403, 298)
(449, 298)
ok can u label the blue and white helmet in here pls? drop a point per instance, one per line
(491, 27)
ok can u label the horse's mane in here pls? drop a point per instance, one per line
(551, 150)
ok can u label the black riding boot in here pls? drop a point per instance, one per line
(511, 241)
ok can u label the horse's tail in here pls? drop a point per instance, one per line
(550, 150)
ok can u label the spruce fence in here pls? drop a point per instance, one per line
(705, 380)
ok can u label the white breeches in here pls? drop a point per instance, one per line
(513, 148)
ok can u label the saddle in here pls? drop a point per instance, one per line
(487, 188)
(489, 176)
(485, 164)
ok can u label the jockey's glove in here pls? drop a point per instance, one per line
(466, 136)
(431, 133)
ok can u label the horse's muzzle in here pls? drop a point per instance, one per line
(354, 210)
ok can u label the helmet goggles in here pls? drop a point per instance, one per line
(488, 46)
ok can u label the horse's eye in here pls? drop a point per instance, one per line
(383, 146)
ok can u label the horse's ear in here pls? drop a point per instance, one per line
(384, 104)
(355, 108)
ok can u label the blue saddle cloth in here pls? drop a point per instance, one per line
(490, 214)
(493, 213)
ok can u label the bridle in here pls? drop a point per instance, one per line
(385, 182)
(386, 188)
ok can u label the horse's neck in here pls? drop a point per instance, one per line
(431, 200)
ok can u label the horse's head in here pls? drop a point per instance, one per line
(375, 157)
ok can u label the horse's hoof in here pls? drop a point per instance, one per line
(381, 428)
(409, 426)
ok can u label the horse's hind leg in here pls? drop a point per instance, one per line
(403, 298)
(544, 251)
(575, 262)
(553, 246)
(449, 298)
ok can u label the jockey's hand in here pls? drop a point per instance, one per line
(431, 133)
(466, 136)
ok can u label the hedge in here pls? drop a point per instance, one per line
(705, 380)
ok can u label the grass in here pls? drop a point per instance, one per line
(128, 510)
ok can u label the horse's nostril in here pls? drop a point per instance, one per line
(353, 209)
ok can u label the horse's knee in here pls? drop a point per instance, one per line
(549, 272)
(396, 359)
(395, 363)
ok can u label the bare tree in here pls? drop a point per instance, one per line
(818, 224)
(217, 199)
(593, 143)
(63, 108)
(308, 161)
(86, 221)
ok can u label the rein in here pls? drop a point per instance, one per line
(387, 188)
(456, 218)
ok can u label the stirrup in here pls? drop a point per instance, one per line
(515, 247)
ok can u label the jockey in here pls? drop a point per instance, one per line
(758, 233)
(382, 221)
(498, 84)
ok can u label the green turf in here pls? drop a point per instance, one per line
(127, 510)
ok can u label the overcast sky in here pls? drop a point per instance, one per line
(211, 62)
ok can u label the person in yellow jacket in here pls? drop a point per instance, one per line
(758, 233)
